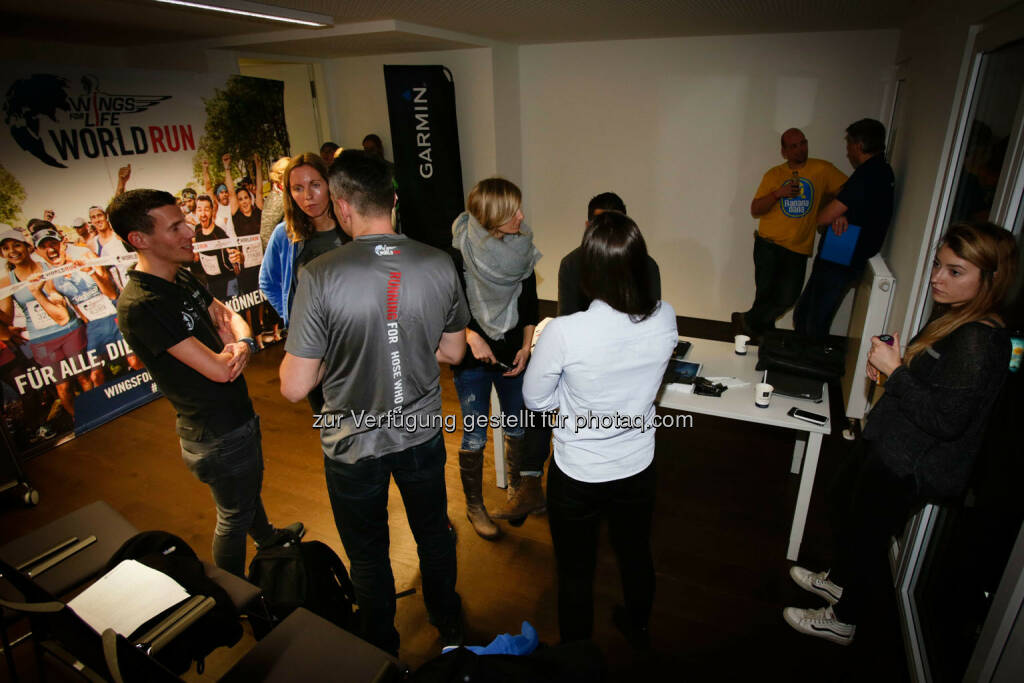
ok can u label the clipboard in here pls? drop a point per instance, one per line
(839, 248)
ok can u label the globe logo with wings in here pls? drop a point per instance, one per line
(30, 100)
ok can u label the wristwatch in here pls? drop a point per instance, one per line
(250, 342)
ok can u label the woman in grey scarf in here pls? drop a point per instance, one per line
(495, 257)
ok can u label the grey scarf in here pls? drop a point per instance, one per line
(495, 270)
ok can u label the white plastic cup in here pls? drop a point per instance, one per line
(763, 394)
(741, 344)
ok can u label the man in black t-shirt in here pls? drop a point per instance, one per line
(865, 200)
(370, 322)
(215, 264)
(196, 348)
(571, 298)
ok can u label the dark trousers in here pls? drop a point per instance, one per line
(778, 277)
(536, 441)
(878, 506)
(232, 466)
(820, 300)
(575, 510)
(359, 499)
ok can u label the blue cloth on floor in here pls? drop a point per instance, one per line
(508, 644)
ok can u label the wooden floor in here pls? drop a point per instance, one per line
(725, 503)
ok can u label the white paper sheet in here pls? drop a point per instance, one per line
(126, 597)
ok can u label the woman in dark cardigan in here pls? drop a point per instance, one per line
(922, 437)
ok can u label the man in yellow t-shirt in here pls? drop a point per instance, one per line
(786, 203)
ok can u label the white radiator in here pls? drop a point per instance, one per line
(870, 317)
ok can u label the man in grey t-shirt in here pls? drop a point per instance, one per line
(370, 322)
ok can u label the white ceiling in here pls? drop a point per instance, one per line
(417, 25)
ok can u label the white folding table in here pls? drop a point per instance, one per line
(737, 403)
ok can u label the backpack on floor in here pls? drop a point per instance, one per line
(306, 575)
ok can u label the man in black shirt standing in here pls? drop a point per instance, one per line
(865, 200)
(196, 349)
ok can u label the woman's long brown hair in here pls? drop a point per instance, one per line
(299, 225)
(994, 251)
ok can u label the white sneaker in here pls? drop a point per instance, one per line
(817, 583)
(821, 623)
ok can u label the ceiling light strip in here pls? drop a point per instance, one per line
(257, 11)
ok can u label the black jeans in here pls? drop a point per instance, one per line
(825, 290)
(778, 277)
(359, 499)
(232, 466)
(879, 503)
(575, 510)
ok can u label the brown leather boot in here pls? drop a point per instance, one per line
(524, 493)
(471, 467)
(527, 499)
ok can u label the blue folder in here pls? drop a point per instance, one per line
(839, 248)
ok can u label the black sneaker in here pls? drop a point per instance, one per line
(292, 533)
(452, 632)
(639, 637)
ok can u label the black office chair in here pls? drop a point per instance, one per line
(67, 553)
(61, 556)
(303, 647)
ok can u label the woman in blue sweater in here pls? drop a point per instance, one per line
(309, 229)
(922, 437)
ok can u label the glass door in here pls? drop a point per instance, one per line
(953, 557)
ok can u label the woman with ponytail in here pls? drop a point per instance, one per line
(922, 437)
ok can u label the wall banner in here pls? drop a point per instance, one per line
(425, 139)
(73, 138)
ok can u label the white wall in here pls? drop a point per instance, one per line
(683, 130)
(359, 103)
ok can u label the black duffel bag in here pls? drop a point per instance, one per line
(790, 352)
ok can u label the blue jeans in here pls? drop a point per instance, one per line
(359, 499)
(822, 295)
(473, 385)
(232, 466)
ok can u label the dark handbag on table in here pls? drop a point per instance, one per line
(790, 352)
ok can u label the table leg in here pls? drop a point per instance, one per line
(499, 443)
(798, 452)
(803, 496)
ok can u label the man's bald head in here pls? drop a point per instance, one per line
(794, 147)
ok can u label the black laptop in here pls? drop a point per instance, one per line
(795, 386)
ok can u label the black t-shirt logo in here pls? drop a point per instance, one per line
(189, 321)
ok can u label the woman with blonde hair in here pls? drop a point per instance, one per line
(273, 204)
(922, 437)
(309, 229)
(495, 256)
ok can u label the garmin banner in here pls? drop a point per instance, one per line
(425, 140)
(73, 139)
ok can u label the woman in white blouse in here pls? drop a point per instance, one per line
(601, 369)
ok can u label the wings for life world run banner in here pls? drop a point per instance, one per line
(425, 139)
(72, 140)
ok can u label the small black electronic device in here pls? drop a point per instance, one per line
(813, 418)
(705, 387)
(504, 366)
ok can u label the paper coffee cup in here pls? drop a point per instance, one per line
(741, 344)
(763, 394)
